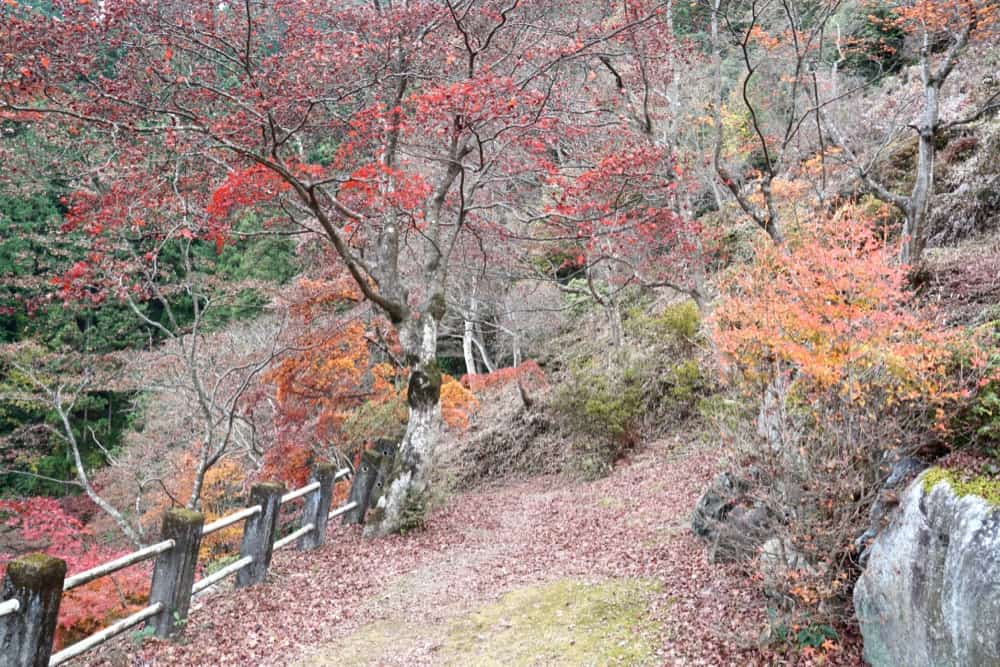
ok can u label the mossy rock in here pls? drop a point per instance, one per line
(987, 488)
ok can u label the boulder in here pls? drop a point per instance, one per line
(900, 473)
(930, 593)
(730, 521)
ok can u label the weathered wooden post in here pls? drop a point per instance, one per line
(173, 573)
(361, 486)
(387, 457)
(317, 506)
(260, 532)
(26, 635)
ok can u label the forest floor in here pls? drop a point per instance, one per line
(541, 572)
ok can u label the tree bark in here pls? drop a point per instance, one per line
(130, 532)
(402, 501)
(484, 354)
(918, 208)
(468, 334)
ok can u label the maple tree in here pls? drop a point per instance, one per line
(343, 360)
(323, 377)
(628, 232)
(389, 130)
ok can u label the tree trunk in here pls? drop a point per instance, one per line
(401, 505)
(468, 336)
(484, 354)
(515, 335)
(467, 351)
(923, 187)
(615, 324)
(134, 536)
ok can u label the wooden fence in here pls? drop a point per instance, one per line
(34, 584)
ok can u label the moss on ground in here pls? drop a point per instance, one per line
(987, 488)
(566, 622)
(562, 623)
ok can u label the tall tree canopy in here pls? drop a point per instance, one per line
(405, 134)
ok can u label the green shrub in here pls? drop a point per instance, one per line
(600, 403)
(977, 424)
(686, 381)
(986, 405)
(676, 324)
(799, 635)
(604, 408)
(372, 421)
(652, 382)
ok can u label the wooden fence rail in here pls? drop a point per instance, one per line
(34, 584)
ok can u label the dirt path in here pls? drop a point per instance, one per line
(401, 600)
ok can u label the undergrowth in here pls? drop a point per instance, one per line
(609, 401)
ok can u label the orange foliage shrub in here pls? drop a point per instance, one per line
(853, 378)
(223, 491)
(320, 384)
(457, 403)
(978, 16)
(322, 380)
(332, 389)
(833, 307)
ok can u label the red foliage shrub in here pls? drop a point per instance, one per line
(528, 373)
(42, 521)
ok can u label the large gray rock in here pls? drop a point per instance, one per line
(900, 473)
(930, 594)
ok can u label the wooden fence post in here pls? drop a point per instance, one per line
(259, 532)
(387, 458)
(26, 636)
(173, 573)
(317, 506)
(361, 487)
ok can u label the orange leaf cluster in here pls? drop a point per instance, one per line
(832, 306)
(222, 491)
(457, 403)
(977, 16)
